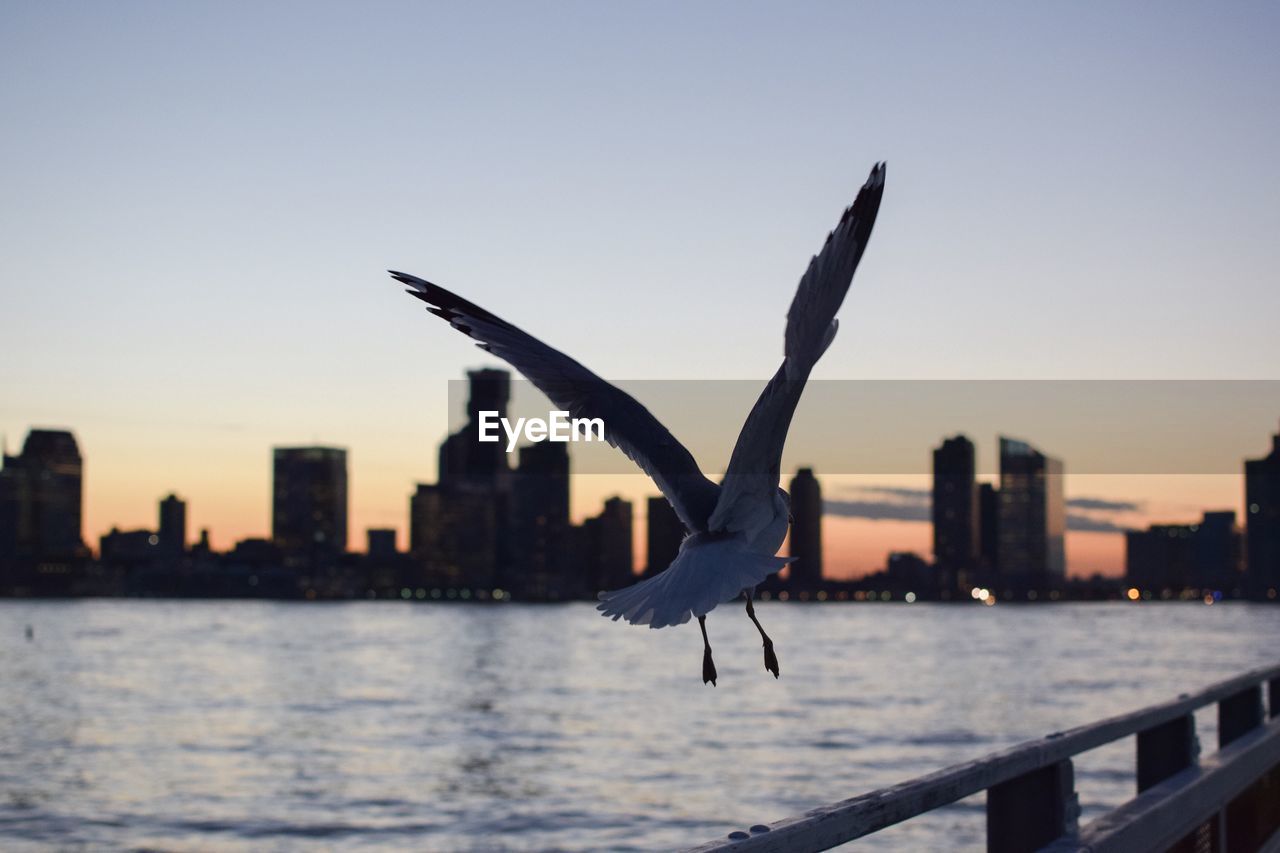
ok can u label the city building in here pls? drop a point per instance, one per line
(663, 535)
(1175, 557)
(906, 571)
(463, 457)
(988, 530)
(806, 531)
(1219, 560)
(1262, 522)
(380, 542)
(453, 536)
(129, 548)
(173, 526)
(1033, 518)
(607, 546)
(309, 503)
(955, 513)
(40, 513)
(462, 529)
(540, 524)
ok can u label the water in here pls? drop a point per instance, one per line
(381, 725)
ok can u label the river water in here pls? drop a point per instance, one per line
(179, 725)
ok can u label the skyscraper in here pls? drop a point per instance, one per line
(173, 526)
(1262, 520)
(988, 529)
(453, 536)
(540, 523)
(806, 531)
(609, 556)
(309, 503)
(955, 512)
(41, 499)
(472, 499)
(463, 457)
(1033, 517)
(664, 533)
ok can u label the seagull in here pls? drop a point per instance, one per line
(734, 529)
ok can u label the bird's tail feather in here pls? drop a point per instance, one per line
(707, 571)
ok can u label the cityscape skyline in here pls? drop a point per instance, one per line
(1015, 526)
(887, 514)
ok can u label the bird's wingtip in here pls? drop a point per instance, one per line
(418, 284)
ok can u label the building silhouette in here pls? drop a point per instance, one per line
(540, 524)
(907, 571)
(1033, 518)
(129, 549)
(463, 457)
(173, 526)
(380, 542)
(1262, 521)
(462, 529)
(806, 531)
(1219, 560)
(41, 495)
(663, 535)
(453, 536)
(988, 531)
(955, 513)
(309, 504)
(606, 547)
(1205, 555)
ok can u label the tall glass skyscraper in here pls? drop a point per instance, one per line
(955, 512)
(1033, 517)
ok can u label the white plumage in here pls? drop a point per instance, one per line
(736, 527)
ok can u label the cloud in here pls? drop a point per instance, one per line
(1104, 505)
(906, 504)
(1092, 524)
(878, 510)
(906, 494)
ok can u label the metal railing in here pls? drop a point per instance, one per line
(1228, 802)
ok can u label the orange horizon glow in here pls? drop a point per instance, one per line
(228, 492)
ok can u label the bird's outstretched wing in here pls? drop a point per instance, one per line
(628, 425)
(746, 495)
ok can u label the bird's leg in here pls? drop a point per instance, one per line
(770, 659)
(708, 665)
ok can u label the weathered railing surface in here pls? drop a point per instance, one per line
(1228, 802)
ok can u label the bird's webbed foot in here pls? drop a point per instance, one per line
(708, 665)
(770, 659)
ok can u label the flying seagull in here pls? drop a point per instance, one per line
(735, 528)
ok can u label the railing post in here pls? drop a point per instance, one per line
(1028, 812)
(1166, 749)
(1238, 714)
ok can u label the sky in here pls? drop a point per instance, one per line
(200, 200)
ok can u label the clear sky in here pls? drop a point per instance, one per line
(199, 201)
